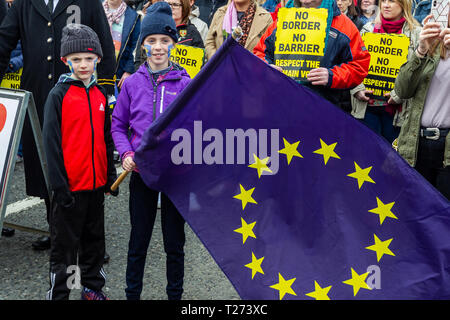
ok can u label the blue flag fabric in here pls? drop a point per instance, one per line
(293, 198)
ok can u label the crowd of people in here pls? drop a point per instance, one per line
(111, 59)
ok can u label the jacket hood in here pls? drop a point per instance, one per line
(195, 12)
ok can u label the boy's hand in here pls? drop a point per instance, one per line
(64, 198)
(128, 164)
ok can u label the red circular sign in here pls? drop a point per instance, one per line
(2, 116)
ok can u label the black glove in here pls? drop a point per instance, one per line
(64, 198)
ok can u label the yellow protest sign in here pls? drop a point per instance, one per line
(11, 80)
(300, 40)
(190, 58)
(388, 52)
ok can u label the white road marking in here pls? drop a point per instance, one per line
(22, 205)
(30, 202)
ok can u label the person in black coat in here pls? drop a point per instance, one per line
(40, 33)
(2, 10)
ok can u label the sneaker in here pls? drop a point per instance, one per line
(88, 294)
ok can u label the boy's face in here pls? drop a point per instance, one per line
(82, 64)
(157, 47)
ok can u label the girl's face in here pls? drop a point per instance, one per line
(343, 5)
(157, 47)
(391, 10)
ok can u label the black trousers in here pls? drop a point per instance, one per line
(429, 164)
(143, 207)
(77, 239)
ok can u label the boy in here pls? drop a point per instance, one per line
(79, 151)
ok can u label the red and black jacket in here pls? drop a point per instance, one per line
(77, 138)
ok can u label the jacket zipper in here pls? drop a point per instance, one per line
(92, 131)
(155, 87)
(162, 100)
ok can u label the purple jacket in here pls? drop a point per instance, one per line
(140, 102)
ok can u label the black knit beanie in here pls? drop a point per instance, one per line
(158, 20)
(79, 38)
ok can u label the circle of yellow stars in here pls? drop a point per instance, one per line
(361, 175)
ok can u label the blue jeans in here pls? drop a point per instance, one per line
(143, 207)
(381, 122)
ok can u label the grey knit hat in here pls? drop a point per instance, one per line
(79, 38)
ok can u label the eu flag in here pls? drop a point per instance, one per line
(293, 198)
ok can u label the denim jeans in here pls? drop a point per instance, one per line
(381, 122)
(430, 157)
(143, 208)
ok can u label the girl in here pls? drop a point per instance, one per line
(348, 8)
(368, 9)
(424, 140)
(144, 96)
(386, 118)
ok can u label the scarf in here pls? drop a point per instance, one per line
(230, 21)
(114, 16)
(389, 26)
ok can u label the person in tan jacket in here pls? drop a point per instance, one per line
(248, 14)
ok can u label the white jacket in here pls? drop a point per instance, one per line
(201, 26)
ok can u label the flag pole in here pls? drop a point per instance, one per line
(119, 180)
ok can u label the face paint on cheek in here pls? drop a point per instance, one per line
(148, 50)
(70, 66)
(95, 65)
(169, 48)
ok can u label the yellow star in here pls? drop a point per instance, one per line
(245, 196)
(319, 293)
(255, 265)
(383, 210)
(362, 175)
(381, 247)
(260, 165)
(357, 282)
(290, 150)
(246, 230)
(284, 286)
(327, 151)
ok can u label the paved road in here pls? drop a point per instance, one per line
(24, 272)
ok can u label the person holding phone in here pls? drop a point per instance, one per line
(424, 139)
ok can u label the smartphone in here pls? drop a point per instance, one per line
(439, 10)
